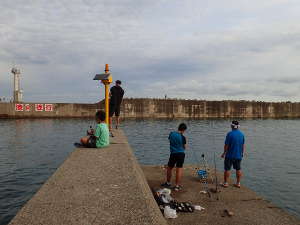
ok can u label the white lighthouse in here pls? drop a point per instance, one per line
(17, 88)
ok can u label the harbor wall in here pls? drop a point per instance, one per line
(47, 110)
(157, 108)
(177, 108)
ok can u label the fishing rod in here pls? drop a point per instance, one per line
(216, 189)
(216, 176)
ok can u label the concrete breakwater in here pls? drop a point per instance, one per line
(108, 186)
(177, 108)
(157, 108)
(246, 206)
(94, 186)
(47, 110)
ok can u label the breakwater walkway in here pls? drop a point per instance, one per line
(247, 207)
(94, 186)
(107, 186)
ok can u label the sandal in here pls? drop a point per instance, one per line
(225, 184)
(178, 188)
(166, 184)
(78, 145)
(238, 185)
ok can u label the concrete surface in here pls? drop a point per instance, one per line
(247, 206)
(60, 110)
(180, 108)
(94, 186)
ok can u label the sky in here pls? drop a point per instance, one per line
(192, 49)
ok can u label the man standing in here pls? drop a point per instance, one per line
(177, 155)
(116, 97)
(233, 153)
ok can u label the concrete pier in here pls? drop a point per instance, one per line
(247, 207)
(108, 187)
(94, 186)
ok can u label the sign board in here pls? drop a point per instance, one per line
(39, 107)
(48, 107)
(19, 107)
(27, 107)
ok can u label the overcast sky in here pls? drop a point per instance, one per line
(192, 49)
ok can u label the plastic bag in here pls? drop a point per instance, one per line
(198, 207)
(165, 191)
(164, 196)
(170, 213)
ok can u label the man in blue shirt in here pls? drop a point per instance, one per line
(233, 153)
(177, 155)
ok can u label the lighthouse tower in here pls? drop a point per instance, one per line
(17, 88)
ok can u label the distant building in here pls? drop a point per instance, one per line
(18, 93)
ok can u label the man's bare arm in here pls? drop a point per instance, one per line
(226, 147)
(243, 152)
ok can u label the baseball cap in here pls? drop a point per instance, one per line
(235, 124)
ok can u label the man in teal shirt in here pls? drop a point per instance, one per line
(177, 155)
(102, 132)
(100, 137)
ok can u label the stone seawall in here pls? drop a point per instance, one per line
(157, 108)
(47, 110)
(176, 108)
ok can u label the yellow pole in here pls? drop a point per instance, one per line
(106, 103)
(106, 84)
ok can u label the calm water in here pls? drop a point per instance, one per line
(31, 150)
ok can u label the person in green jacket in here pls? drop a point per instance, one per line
(98, 138)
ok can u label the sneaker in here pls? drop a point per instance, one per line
(78, 145)
(167, 185)
(111, 134)
(178, 188)
(225, 184)
(238, 185)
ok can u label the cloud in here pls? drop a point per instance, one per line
(185, 49)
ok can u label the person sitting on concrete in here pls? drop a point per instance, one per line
(233, 153)
(177, 155)
(116, 97)
(100, 137)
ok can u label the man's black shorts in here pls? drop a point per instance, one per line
(236, 163)
(91, 143)
(176, 158)
(114, 109)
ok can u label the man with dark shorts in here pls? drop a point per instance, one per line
(116, 97)
(177, 155)
(233, 153)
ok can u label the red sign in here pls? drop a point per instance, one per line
(39, 107)
(19, 107)
(48, 107)
(27, 107)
